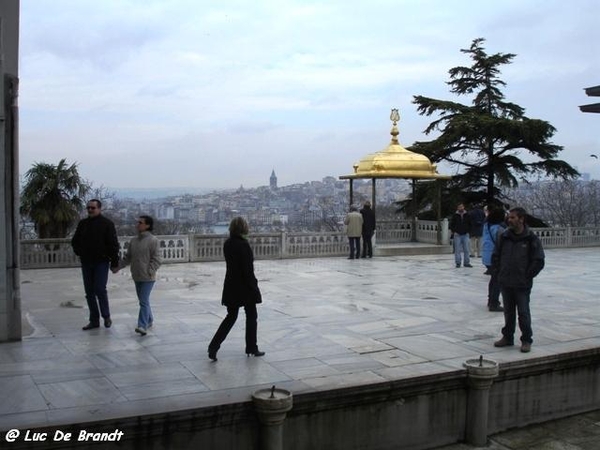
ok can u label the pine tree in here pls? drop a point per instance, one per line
(485, 141)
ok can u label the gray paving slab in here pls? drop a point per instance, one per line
(324, 323)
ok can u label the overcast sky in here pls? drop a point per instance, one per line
(216, 94)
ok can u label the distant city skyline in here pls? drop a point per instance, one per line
(161, 192)
(215, 94)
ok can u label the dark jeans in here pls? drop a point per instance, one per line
(229, 321)
(95, 277)
(493, 289)
(354, 247)
(516, 300)
(367, 245)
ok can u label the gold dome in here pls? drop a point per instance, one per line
(395, 161)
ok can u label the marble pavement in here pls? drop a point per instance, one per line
(324, 322)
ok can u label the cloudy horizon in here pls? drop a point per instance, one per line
(216, 95)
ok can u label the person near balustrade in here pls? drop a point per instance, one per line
(143, 254)
(95, 242)
(354, 224)
(368, 229)
(460, 226)
(518, 258)
(493, 226)
(477, 217)
(240, 288)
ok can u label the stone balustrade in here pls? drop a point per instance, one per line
(47, 253)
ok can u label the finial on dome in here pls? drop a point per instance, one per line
(394, 117)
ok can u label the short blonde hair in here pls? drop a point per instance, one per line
(238, 227)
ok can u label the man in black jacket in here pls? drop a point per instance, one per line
(518, 258)
(95, 242)
(460, 226)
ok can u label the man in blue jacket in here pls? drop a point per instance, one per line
(517, 258)
(95, 242)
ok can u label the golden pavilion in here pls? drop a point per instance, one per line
(394, 161)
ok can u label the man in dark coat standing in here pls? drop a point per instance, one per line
(368, 229)
(460, 226)
(518, 258)
(240, 288)
(95, 242)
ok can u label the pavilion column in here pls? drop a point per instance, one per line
(414, 212)
(438, 210)
(373, 195)
(351, 191)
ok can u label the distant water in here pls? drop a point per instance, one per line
(220, 229)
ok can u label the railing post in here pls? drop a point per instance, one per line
(480, 374)
(283, 245)
(272, 406)
(445, 232)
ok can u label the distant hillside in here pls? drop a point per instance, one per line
(150, 193)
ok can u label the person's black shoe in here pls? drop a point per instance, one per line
(90, 326)
(497, 308)
(468, 265)
(107, 322)
(256, 353)
(487, 272)
(212, 354)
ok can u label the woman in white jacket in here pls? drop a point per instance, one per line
(143, 254)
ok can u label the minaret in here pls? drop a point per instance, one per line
(273, 180)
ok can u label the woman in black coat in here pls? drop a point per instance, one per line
(239, 289)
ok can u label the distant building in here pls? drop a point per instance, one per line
(165, 212)
(273, 180)
(593, 91)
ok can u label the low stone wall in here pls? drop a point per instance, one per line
(48, 253)
(416, 413)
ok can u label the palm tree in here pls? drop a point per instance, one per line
(53, 197)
